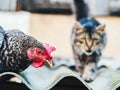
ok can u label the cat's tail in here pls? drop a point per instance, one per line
(81, 9)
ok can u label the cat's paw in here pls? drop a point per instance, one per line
(90, 76)
(87, 78)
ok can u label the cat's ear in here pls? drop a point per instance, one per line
(101, 28)
(78, 26)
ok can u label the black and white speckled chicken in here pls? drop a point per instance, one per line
(18, 51)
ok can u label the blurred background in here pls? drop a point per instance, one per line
(51, 21)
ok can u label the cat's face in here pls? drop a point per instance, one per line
(86, 42)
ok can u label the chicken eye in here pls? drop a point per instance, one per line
(38, 52)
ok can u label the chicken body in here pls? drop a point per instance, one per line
(13, 51)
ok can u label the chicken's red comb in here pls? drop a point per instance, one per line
(49, 49)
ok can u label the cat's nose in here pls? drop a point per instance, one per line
(89, 51)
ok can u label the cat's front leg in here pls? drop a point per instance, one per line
(79, 65)
(90, 72)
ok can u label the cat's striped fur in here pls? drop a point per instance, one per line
(88, 39)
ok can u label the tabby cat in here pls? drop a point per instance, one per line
(88, 39)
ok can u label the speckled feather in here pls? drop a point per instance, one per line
(2, 33)
(13, 56)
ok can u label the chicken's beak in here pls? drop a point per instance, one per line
(49, 63)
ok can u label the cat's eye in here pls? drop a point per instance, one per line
(82, 39)
(98, 42)
(38, 52)
(95, 39)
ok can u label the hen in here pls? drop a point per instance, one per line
(18, 51)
